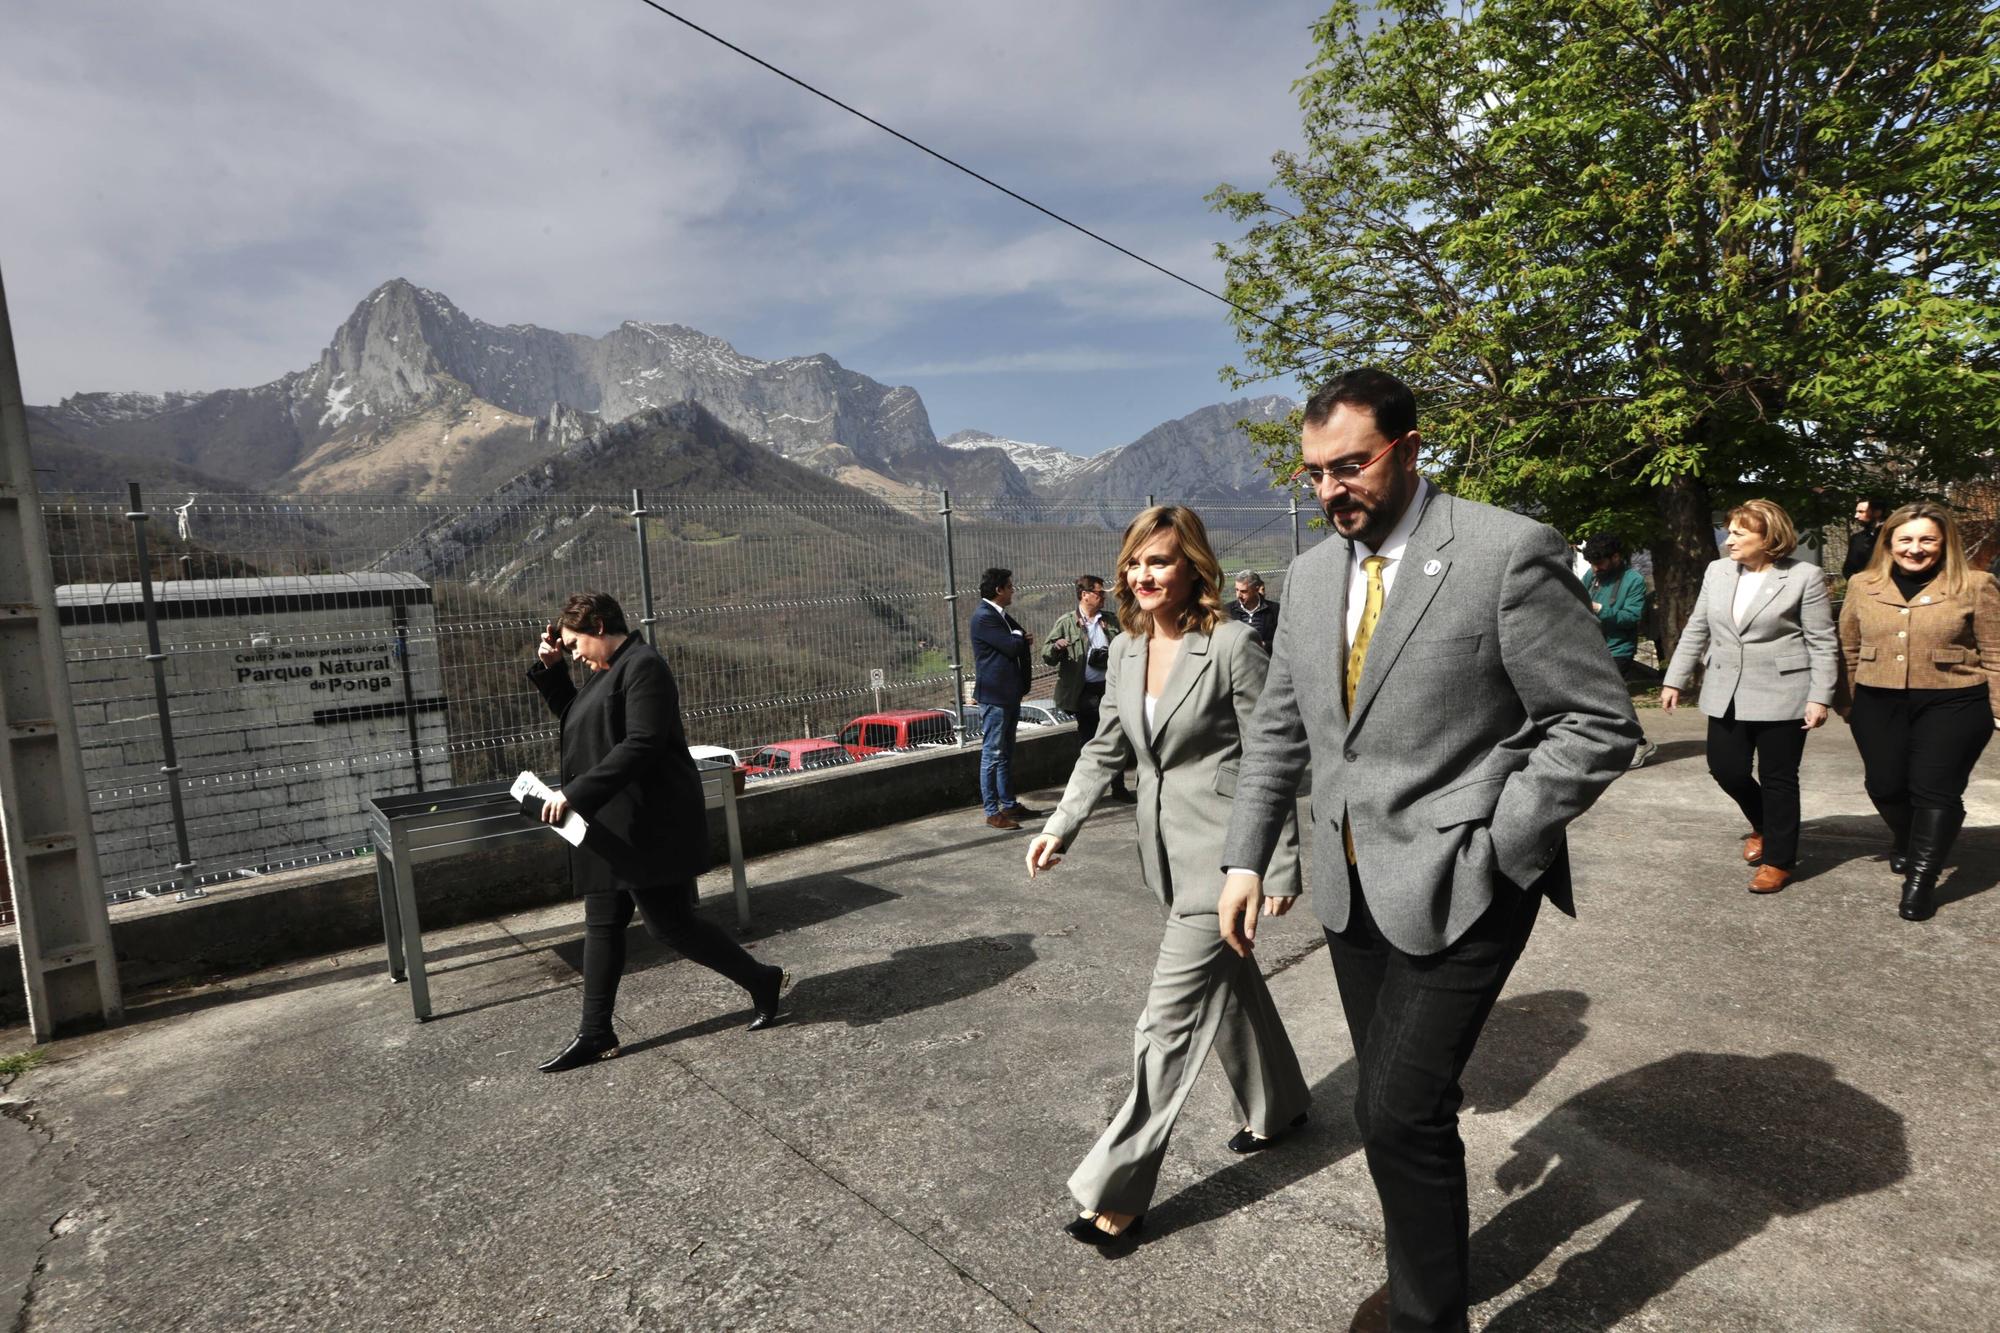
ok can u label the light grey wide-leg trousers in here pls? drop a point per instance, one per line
(1202, 995)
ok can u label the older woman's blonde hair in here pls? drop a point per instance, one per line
(1204, 608)
(1770, 521)
(1953, 570)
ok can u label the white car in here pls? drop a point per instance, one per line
(1043, 713)
(699, 753)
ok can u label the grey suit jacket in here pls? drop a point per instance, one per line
(1188, 769)
(1487, 718)
(1783, 656)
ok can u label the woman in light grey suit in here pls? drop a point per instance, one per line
(1763, 629)
(1180, 686)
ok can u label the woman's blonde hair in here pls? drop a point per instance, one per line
(1952, 570)
(1769, 521)
(1204, 608)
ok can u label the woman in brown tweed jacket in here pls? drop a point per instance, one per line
(1921, 635)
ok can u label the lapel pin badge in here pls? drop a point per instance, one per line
(1431, 568)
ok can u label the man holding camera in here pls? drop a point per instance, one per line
(1078, 647)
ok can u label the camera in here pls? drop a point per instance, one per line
(1097, 658)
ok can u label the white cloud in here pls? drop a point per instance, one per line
(1056, 361)
(212, 186)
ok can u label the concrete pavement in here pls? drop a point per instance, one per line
(1694, 1109)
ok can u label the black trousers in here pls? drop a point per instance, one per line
(670, 918)
(1769, 797)
(1918, 746)
(1088, 708)
(1414, 1020)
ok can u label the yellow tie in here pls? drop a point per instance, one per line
(1357, 656)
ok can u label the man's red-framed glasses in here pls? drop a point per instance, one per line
(1345, 473)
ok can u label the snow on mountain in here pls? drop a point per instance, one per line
(1041, 464)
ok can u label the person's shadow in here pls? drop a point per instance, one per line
(1705, 1149)
(1526, 1037)
(919, 977)
(1830, 841)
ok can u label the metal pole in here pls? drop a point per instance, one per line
(1296, 548)
(171, 769)
(951, 610)
(639, 512)
(399, 616)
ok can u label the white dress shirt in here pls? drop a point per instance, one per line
(1392, 549)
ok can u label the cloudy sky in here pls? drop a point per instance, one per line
(200, 191)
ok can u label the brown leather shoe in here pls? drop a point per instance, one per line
(1769, 879)
(1753, 848)
(1372, 1315)
(1001, 821)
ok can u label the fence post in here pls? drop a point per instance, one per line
(171, 768)
(399, 619)
(951, 611)
(1295, 527)
(639, 512)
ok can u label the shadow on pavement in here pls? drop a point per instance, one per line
(1670, 751)
(1527, 1036)
(1704, 1149)
(921, 977)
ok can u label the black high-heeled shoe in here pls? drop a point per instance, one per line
(768, 997)
(581, 1051)
(1086, 1230)
(1244, 1141)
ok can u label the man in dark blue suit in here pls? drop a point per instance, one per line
(1001, 667)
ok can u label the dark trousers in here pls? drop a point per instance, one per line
(1414, 1021)
(1918, 746)
(670, 918)
(1769, 798)
(1088, 706)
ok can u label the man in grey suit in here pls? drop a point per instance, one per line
(1443, 676)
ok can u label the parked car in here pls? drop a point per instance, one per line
(897, 729)
(808, 755)
(1034, 713)
(701, 752)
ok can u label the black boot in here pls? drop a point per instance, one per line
(1931, 834)
(582, 1050)
(1897, 817)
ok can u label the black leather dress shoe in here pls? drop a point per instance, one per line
(1019, 811)
(1244, 1141)
(1086, 1230)
(581, 1051)
(768, 997)
(1125, 794)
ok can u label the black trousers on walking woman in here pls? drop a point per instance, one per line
(1918, 746)
(670, 918)
(1769, 797)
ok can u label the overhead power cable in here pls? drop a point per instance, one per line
(956, 165)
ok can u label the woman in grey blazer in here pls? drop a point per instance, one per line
(1179, 689)
(1763, 630)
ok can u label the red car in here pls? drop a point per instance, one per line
(898, 729)
(801, 756)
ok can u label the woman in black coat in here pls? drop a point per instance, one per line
(626, 771)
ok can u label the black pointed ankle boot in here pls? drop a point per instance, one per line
(1931, 835)
(1897, 817)
(583, 1049)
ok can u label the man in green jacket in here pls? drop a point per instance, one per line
(1617, 594)
(1078, 648)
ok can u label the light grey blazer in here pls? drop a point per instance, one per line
(1487, 718)
(1783, 656)
(1187, 769)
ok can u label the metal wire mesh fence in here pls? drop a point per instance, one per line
(318, 650)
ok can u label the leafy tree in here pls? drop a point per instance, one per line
(1642, 259)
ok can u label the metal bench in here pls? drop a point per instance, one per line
(430, 826)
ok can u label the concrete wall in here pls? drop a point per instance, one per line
(254, 923)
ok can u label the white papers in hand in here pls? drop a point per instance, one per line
(572, 828)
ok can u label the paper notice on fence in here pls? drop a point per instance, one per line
(572, 828)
